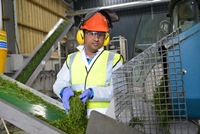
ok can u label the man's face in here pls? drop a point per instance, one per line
(94, 40)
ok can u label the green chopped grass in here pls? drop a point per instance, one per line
(73, 123)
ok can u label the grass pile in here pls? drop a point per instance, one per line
(161, 102)
(73, 123)
(76, 120)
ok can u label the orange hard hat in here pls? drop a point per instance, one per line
(97, 22)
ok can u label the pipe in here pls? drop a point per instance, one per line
(67, 3)
(1, 18)
(16, 27)
(118, 6)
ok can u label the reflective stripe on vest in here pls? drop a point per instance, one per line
(97, 104)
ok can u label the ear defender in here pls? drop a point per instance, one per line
(106, 40)
(80, 37)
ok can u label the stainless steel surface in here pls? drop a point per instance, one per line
(102, 124)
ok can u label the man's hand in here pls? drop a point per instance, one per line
(87, 94)
(66, 94)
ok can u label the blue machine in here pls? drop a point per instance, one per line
(184, 60)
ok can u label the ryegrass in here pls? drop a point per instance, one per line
(73, 123)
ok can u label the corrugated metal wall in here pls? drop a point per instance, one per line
(34, 19)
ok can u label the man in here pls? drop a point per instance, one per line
(90, 69)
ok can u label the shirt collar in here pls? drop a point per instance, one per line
(81, 48)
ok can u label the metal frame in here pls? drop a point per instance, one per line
(149, 89)
(123, 46)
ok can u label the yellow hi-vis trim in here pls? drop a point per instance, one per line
(98, 104)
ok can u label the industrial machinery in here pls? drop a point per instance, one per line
(158, 90)
(26, 115)
(21, 113)
(33, 65)
(119, 45)
(155, 92)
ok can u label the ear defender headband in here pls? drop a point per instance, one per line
(110, 16)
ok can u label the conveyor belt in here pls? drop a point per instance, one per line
(33, 65)
(34, 112)
(47, 112)
(25, 121)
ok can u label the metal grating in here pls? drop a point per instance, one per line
(149, 89)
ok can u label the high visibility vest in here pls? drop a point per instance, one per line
(98, 75)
